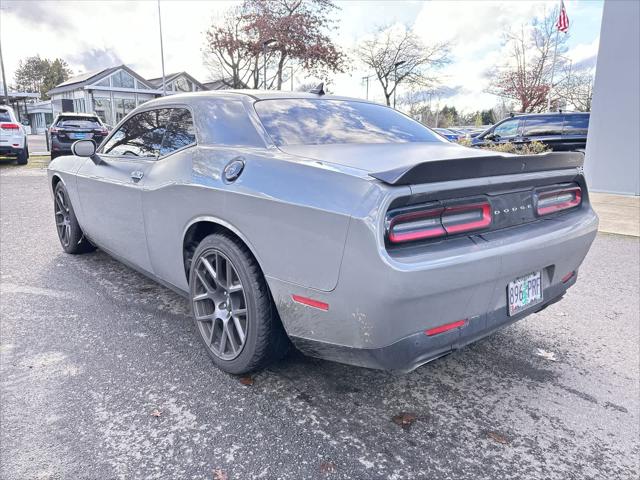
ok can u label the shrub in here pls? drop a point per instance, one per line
(532, 148)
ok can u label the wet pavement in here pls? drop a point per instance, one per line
(102, 377)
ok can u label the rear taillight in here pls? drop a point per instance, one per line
(101, 131)
(53, 130)
(10, 126)
(436, 222)
(558, 200)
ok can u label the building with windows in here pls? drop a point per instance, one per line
(178, 83)
(111, 93)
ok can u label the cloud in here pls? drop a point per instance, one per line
(37, 13)
(96, 59)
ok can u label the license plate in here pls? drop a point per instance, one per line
(524, 292)
(78, 136)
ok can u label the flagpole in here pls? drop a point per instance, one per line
(553, 67)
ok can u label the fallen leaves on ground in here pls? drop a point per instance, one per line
(219, 474)
(248, 381)
(546, 355)
(327, 467)
(156, 413)
(404, 419)
(497, 437)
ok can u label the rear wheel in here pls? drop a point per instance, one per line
(69, 232)
(23, 155)
(232, 308)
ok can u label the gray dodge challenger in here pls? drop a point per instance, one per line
(339, 225)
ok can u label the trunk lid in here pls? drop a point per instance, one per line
(415, 163)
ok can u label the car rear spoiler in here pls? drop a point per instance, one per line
(473, 167)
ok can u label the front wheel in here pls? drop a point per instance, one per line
(232, 308)
(69, 232)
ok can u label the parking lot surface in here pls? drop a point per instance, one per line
(102, 377)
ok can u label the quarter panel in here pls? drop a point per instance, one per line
(294, 215)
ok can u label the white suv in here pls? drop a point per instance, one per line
(13, 138)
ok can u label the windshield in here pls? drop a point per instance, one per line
(320, 121)
(79, 122)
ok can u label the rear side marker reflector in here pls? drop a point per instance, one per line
(444, 328)
(310, 302)
(568, 277)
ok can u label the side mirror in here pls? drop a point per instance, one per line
(84, 148)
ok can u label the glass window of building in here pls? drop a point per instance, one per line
(122, 79)
(102, 107)
(181, 84)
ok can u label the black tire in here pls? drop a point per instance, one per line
(69, 232)
(23, 155)
(265, 339)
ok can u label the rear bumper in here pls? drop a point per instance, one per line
(417, 349)
(383, 304)
(9, 150)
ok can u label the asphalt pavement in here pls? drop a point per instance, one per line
(102, 377)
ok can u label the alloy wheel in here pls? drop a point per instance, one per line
(219, 305)
(63, 222)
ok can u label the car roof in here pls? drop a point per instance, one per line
(76, 114)
(254, 95)
(546, 114)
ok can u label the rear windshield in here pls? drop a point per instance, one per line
(4, 116)
(79, 122)
(318, 122)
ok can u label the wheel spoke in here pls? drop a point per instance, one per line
(204, 282)
(228, 275)
(223, 340)
(239, 329)
(202, 296)
(232, 341)
(210, 269)
(239, 311)
(213, 330)
(205, 318)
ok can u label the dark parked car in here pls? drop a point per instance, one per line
(559, 131)
(448, 134)
(70, 127)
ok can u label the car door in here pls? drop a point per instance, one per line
(507, 131)
(543, 128)
(574, 133)
(110, 188)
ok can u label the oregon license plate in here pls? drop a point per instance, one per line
(524, 292)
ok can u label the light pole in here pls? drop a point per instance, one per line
(395, 79)
(265, 44)
(164, 85)
(291, 76)
(4, 80)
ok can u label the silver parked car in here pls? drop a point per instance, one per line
(340, 225)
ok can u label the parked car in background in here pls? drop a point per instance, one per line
(70, 127)
(448, 134)
(558, 131)
(13, 137)
(338, 224)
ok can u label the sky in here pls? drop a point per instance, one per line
(91, 35)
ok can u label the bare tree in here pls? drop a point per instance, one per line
(526, 75)
(576, 88)
(400, 57)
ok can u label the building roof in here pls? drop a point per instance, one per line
(87, 78)
(157, 82)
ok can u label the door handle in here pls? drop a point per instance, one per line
(137, 175)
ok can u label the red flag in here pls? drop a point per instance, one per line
(563, 20)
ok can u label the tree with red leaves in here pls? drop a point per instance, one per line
(298, 32)
(526, 75)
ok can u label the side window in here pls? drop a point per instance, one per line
(180, 133)
(543, 125)
(226, 122)
(507, 129)
(576, 125)
(141, 135)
